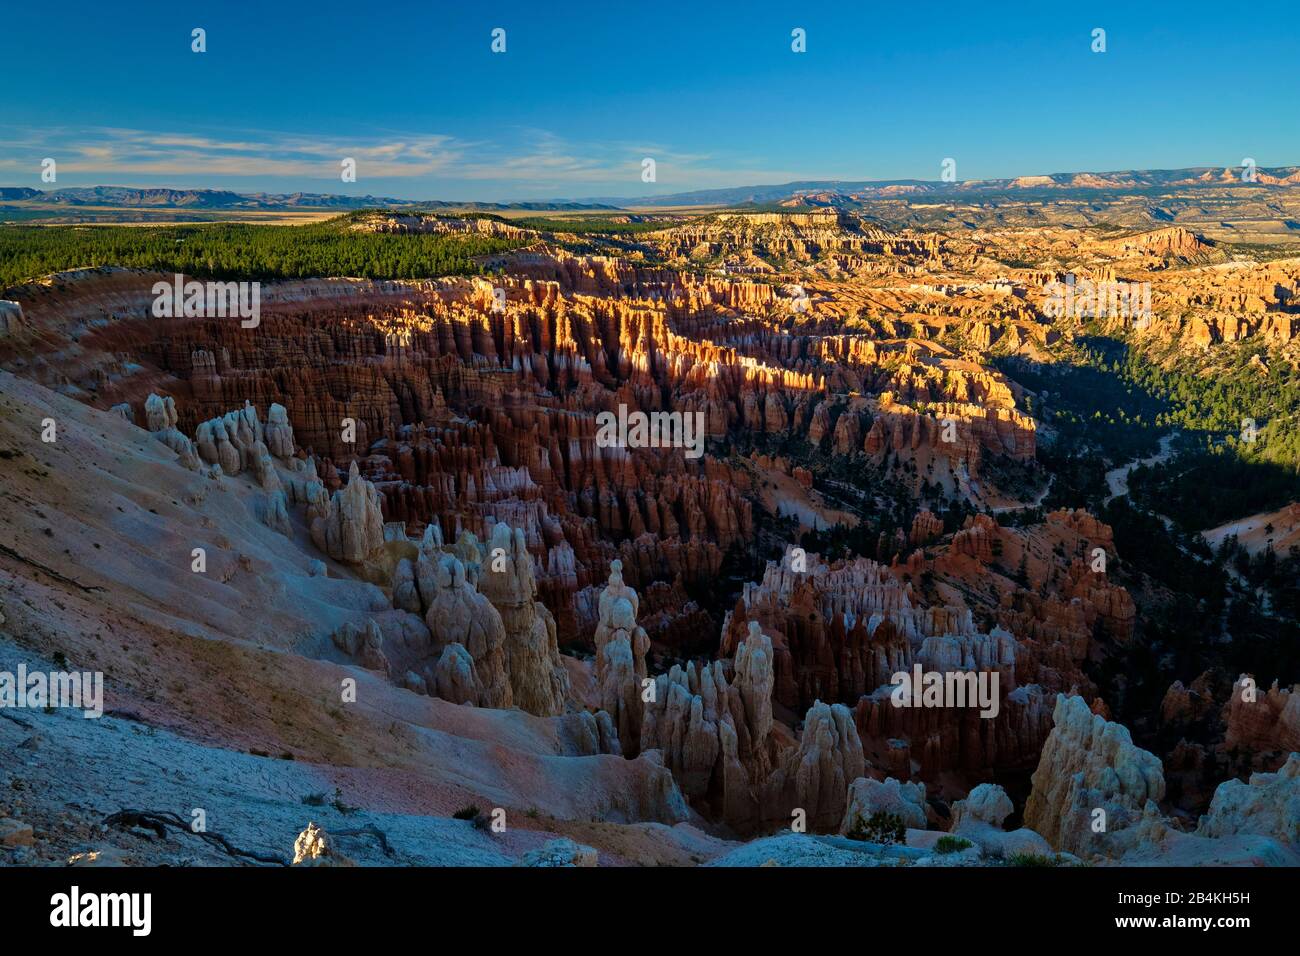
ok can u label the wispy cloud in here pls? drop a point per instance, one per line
(524, 159)
(114, 151)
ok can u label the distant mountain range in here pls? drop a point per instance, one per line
(127, 197)
(829, 191)
(814, 192)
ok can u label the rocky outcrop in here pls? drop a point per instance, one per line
(562, 852)
(988, 803)
(1186, 705)
(159, 413)
(957, 432)
(868, 797)
(684, 720)
(598, 733)
(315, 848)
(537, 677)
(458, 616)
(621, 646)
(755, 679)
(1174, 242)
(459, 651)
(926, 526)
(160, 418)
(279, 433)
(352, 529)
(1091, 783)
(229, 440)
(841, 631)
(365, 644)
(11, 319)
(1262, 721)
(940, 743)
(979, 819)
(733, 761)
(1155, 842)
(454, 676)
(274, 513)
(1269, 805)
(816, 776)
(715, 734)
(838, 631)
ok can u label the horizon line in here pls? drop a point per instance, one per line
(606, 199)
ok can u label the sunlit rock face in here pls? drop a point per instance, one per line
(464, 412)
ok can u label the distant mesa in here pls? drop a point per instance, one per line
(835, 193)
(164, 198)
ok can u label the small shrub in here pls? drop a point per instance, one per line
(314, 800)
(1031, 859)
(466, 813)
(880, 827)
(951, 844)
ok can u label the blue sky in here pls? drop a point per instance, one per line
(585, 91)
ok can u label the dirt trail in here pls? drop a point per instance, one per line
(1117, 478)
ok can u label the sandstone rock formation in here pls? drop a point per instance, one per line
(987, 803)
(816, 776)
(1269, 805)
(454, 677)
(729, 757)
(1155, 842)
(1088, 765)
(841, 631)
(715, 735)
(455, 405)
(868, 797)
(314, 848)
(352, 529)
(1268, 721)
(160, 418)
(621, 646)
(979, 818)
(469, 632)
(366, 644)
(926, 526)
(279, 433)
(537, 678)
(275, 513)
(229, 440)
